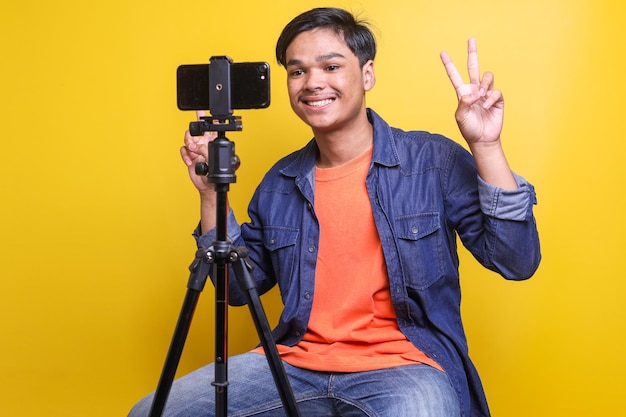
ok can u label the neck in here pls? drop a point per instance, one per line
(340, 146)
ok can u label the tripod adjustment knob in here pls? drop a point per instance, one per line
(202, 168)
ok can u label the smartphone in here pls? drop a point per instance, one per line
(250, 86)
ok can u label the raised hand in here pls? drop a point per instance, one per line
(480, 114)
(480, 111)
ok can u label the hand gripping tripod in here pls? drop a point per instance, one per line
(220, 255)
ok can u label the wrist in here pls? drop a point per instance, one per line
(207, 192)
(486, 149)
(492, 165)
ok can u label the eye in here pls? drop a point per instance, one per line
(296, 73)
(332, 67)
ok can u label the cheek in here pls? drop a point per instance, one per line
(292, 90)
(352, 84)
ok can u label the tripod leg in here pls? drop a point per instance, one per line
(221, 340)
(247, 284)
(199, 272)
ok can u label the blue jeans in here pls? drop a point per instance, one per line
(405, 391)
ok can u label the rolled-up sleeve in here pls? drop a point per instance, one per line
(507, 204)
(205, 240)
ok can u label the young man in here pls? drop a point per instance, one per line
(359, 229)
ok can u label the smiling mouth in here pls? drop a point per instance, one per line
(319, 103)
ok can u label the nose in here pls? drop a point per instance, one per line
(315, 80)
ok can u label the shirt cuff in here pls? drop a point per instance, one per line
(207, 239)
(508, 204)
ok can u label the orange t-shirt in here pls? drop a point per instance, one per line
(352, 326)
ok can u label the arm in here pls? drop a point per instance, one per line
(194, 151)
(479, 116)
(496, 225)
(506, 239)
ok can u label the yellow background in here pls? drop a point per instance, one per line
(97, 209)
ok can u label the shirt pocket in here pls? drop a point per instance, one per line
(420, 245)
(280, 243)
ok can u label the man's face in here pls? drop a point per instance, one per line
(326, 84)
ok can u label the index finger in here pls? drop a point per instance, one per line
(460, 87)
(200, 113)
(453, 73)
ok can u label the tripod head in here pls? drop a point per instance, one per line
(223, 162)
(222, 158)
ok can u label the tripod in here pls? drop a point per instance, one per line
(220, 255)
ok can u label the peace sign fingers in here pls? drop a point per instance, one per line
(473, 69)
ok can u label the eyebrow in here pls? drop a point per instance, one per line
(320, 58)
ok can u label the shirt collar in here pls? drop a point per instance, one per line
(385, 151)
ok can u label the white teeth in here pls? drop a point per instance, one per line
(319, 103)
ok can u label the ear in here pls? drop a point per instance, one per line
(369, 77)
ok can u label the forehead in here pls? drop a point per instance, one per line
(317, 43)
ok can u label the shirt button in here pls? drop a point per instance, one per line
(414, 230)
(307, 295)
(297, 334)
(311, 249)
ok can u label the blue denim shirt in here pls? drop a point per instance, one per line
(424, 190)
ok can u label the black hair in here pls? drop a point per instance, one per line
(355, 32)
